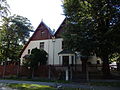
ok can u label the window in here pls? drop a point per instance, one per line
(28, 51)
(66, 60)
(41, 45)
(42, 33)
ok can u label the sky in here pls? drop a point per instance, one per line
(49, 11)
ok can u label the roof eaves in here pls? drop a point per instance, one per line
(66, 52)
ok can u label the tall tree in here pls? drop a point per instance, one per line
(4, 8)
(93, 26)
(14, 32)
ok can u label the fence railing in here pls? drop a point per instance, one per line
(51, 72)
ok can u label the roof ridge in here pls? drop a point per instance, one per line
(59, 26)
(49, 29)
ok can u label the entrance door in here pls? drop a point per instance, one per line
(65, 60)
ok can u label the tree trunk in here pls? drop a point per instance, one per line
(32, 73)
(84, 63)
(105, 67)
(84, 66)
(18, 67)
(4, 69)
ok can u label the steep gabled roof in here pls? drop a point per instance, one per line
(42, 27)
(60, 29)
(36, 35)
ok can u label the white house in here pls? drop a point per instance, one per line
(52, 43)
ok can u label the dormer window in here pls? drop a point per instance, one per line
(43, 33)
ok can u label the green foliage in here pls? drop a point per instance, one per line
(93, 27)
(4, 8)
(37, 56)
(114, 57)
(22, 27)
(14, 32)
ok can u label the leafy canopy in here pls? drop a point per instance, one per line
(4, 8)
(14, 32)
(93, 25)
(37, 56)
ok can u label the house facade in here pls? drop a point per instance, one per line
(52, 43)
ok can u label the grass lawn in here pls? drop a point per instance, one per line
(38, 87)
(30, 87)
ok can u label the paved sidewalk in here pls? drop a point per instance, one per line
(104, 80)
(71, 85)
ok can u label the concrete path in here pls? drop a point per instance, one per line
(71, 85)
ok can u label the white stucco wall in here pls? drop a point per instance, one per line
(92, 60)
(53, 48)
(49, 46)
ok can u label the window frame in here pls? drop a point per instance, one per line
(28, 51)
(42, 45)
